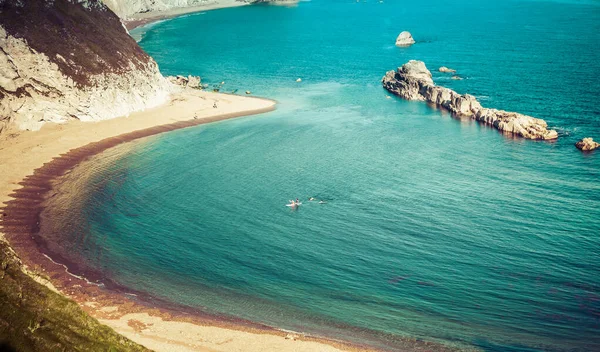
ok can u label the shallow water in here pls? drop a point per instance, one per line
(434, 227)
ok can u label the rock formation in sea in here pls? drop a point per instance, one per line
(413, 81)
(405, 39)
(71, 60)
(446, 70)
(587, 144)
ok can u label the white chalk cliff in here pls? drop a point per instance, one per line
(71, 59)
(126, 8)
(413, 81)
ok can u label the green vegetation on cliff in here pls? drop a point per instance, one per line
(34, 318)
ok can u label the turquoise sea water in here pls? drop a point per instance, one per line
(434, 227)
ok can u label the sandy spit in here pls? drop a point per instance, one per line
(140, 19)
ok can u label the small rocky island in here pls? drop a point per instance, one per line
(587, 144)
(413, 81)
(405, 39)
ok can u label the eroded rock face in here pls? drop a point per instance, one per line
(189, 81)
(71, 59)
(413, 81)
(587, 144)
(405, 39)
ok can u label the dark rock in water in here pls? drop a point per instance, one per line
(413, 81)
(587, 144)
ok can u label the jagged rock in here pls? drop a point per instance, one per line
(405, 39)
(193, 81)
(189, 81)
(95, 72)
(446, 70)
(413, 81)
(587, 144)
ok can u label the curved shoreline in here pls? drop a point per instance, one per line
(142, 19)
(113, 306)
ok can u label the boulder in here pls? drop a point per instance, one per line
(405, 39)
(446, 70)
(412, 81)
(193, 81)
(189, 81)
(587, 144)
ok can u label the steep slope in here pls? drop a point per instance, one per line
(71, 59)
(34, 318)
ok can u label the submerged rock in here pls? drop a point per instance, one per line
(413, 81)
(299, 80)
(456, 78)
(405, 39)
(587, 144)
(446, 70)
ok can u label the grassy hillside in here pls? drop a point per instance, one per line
(34, 318)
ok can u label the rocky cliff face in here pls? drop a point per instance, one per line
(413, 81)
(71, 59)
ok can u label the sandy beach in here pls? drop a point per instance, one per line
(141, 19)
(29, 161)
